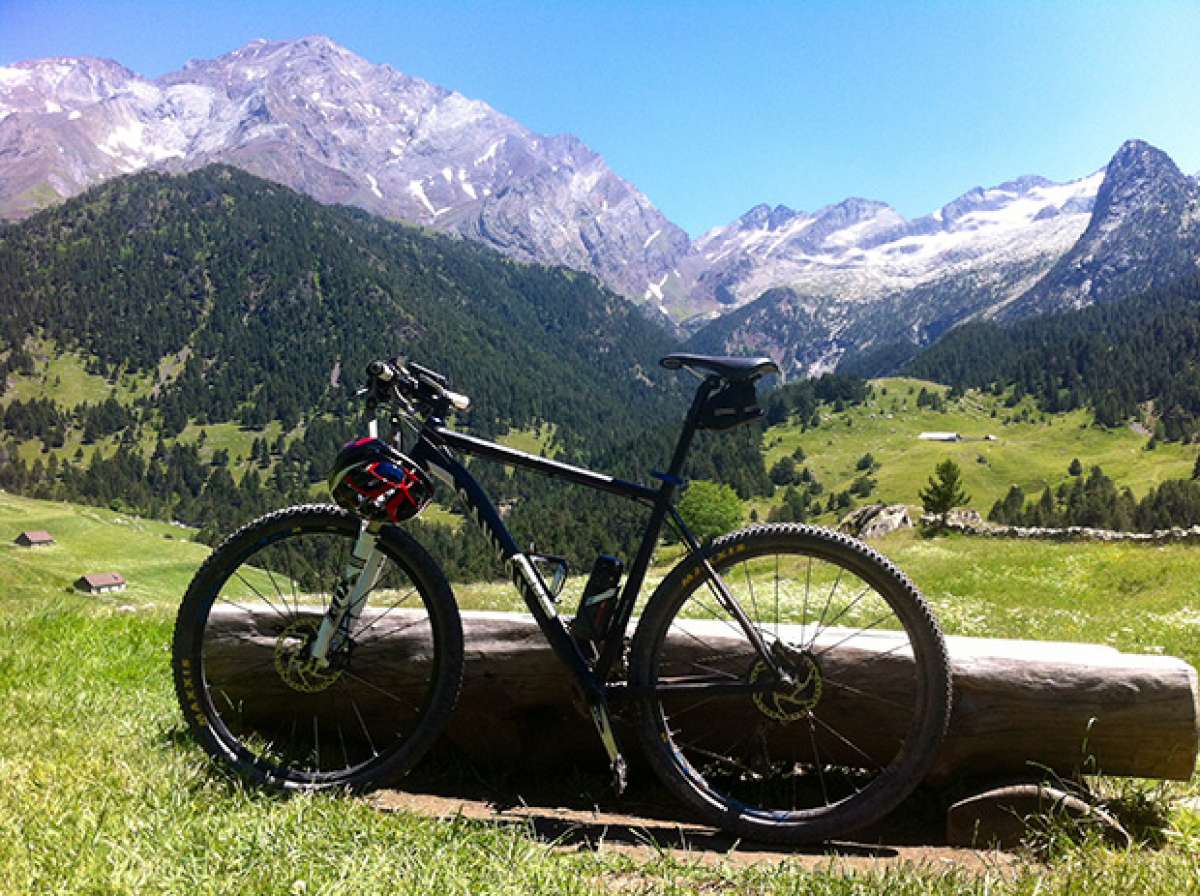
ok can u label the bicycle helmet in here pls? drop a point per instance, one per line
(377, 482)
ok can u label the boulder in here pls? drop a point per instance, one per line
(876, 520)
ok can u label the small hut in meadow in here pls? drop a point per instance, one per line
(34, 538)
(100, 582)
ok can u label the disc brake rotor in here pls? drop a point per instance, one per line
(799, 701)
(298, 671)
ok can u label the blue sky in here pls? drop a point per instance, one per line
(713, 107)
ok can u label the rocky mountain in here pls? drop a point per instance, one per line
(1020, 249)
(1143, 234)
(860, 249)
(853, 282)
(316, 117)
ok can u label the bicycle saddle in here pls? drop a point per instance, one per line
(735, 370)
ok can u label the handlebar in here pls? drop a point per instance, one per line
(413, 385)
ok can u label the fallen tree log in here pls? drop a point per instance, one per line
(1018, 705)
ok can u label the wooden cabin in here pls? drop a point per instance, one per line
(101, 582)
(35, 538)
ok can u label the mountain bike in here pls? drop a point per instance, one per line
(790, 684)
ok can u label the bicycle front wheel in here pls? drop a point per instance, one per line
(261, 710)
(841, 745)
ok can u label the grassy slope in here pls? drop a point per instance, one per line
(64, 377)
(104, 793)
(1031, 455)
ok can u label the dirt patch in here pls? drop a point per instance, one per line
(578, 815)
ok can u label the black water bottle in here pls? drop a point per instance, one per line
(599, 599)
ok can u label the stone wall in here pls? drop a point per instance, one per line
(969, 522)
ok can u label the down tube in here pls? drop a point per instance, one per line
(525, 576)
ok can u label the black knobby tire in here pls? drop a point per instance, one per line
(811, 763)
(251, 703)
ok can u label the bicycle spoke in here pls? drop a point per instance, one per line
(874, 765)
(865, 628)
(861, 693)
(382, 633)
(846, 609)
(342, 741)
(825, 609)
(365, 730)
(812, 736)
(260, 597)
(777, 597)
(380, 617)
(246, 671)
(804, 609)
(750, 587)
(287, 555)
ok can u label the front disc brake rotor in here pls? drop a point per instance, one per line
(298, 671)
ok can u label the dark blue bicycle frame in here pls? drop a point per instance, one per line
(433, 451)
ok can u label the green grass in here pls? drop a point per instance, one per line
(1031, 455)
(157, 559)
(104, 793)
(63, 377)
(232, 437)
(536, 440)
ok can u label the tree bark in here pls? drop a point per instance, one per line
(1019, 706)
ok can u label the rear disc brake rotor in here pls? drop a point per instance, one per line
(796, 702)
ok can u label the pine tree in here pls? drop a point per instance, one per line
(1076, 467)
(944, 491)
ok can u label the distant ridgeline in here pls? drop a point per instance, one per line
(1117, 358)
(228, 298)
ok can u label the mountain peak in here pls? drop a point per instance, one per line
(1141, 235)
(1136, 170)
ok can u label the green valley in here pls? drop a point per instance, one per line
(1031, 448)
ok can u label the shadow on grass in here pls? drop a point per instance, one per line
(574, 807)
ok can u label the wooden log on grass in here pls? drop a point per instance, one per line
(1020, 707)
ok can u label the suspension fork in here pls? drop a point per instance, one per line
(350, 594)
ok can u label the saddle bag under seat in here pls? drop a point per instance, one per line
(731, 405)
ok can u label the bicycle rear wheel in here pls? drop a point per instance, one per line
(840, 747)
(254, 704)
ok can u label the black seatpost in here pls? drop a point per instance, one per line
(689, 425)
(671, 482)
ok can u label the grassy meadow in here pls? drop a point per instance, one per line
(1031, 453)
(104, 793)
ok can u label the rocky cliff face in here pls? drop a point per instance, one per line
(1144, 233)
(322, 120)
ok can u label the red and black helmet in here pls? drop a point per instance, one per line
(377, 482)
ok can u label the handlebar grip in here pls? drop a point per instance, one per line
(459, 401)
